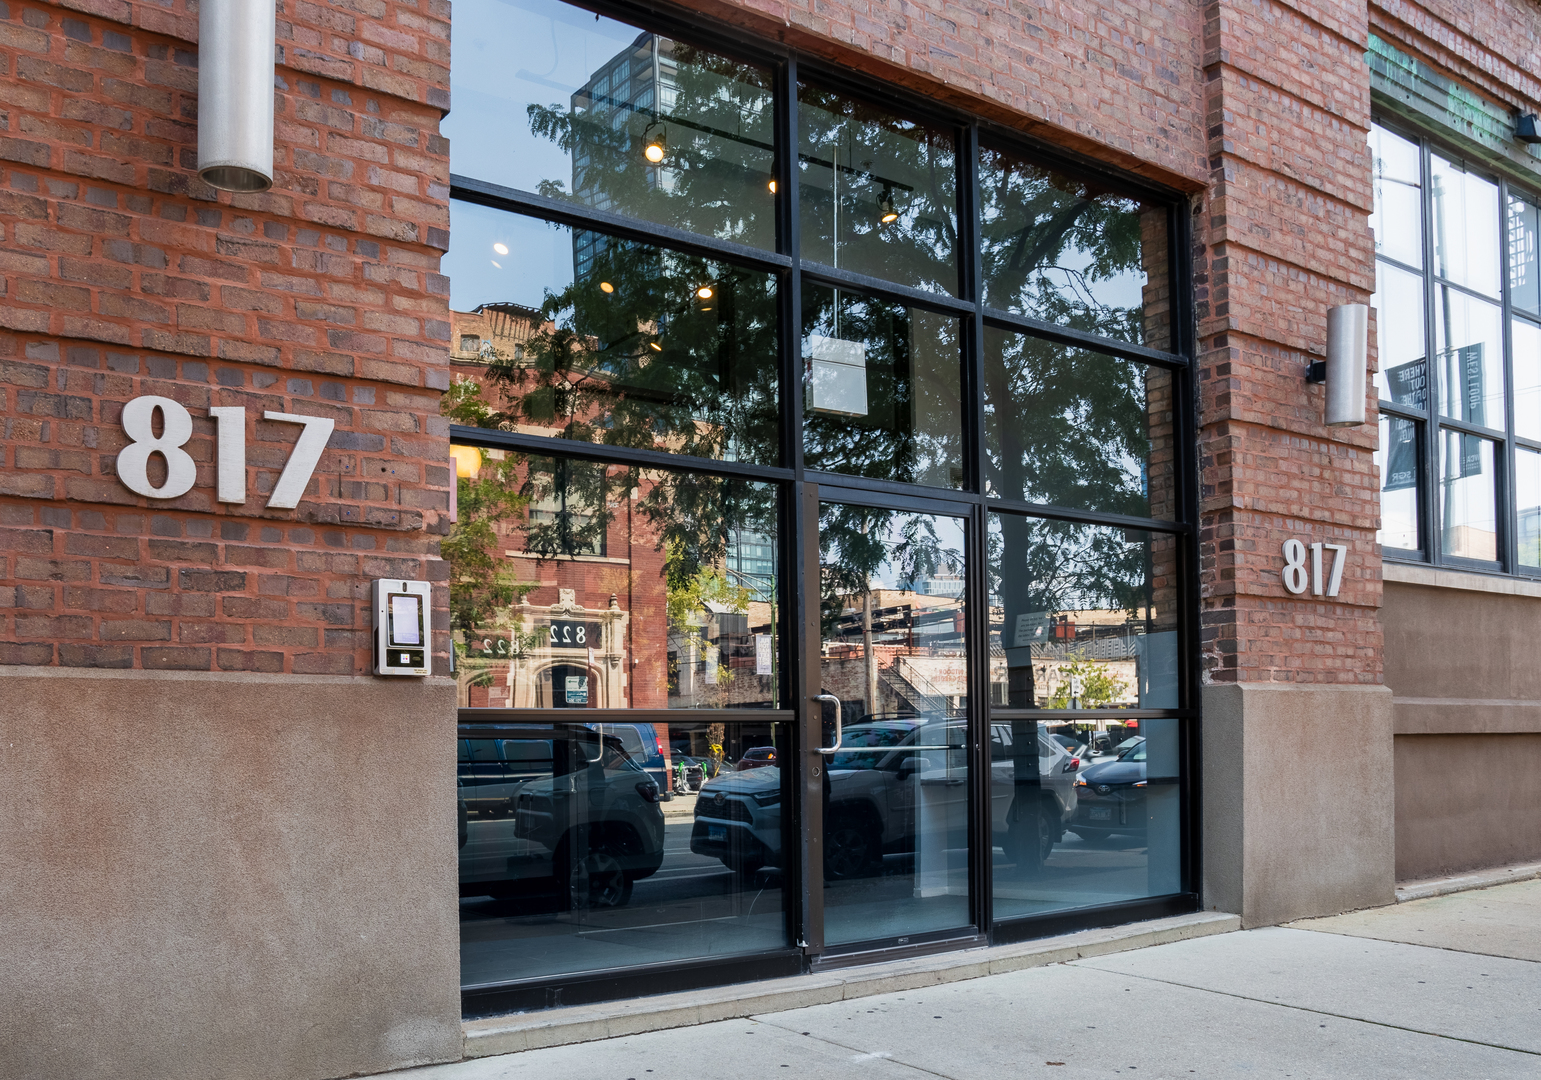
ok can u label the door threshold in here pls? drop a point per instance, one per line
(603, 1020)
(862, 955)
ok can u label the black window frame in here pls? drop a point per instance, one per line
(801, 489)
(1428, 423)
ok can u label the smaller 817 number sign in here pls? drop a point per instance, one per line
(1295, 575)
(566, 634)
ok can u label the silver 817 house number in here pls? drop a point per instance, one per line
(1295, 571)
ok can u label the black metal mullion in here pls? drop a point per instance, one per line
(1433, 545)
(1061, 715)
(1090, 517)
(1188, 486)
(551, 446)
(1465, 426)
(883, 495)
(1066, 335)
(513, 200)
(908, 295)
(976, 585)
(803, 842)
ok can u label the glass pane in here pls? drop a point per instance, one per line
(1468, 479)
(580, 585)
(1465, 209)
(1083, 814)
(878, 192)
(1397, 219)
(1524, 269)
(1076, 428)
(894, 653)
(553, 99)
(884, 389)
(1398, 302)
(1081, 616)
(573, 857)
(1397, 460)
(1068, 252)
(1526, 342)
(577, 335)
(1468, 340)
(1527, 484)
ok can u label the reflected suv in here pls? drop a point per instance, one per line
(1111, 797)
(585, 823)
(872, 793)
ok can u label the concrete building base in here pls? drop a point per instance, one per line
(1298, 809)
(226, 875)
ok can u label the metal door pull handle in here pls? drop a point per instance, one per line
(839, 732)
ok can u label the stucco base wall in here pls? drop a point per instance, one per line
(1465, 802)
(1298, 810)
(209, 875)
(1461, 660)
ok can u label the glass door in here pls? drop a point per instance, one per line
(894, 762)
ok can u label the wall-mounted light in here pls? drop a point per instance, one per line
(653, 142)
(886, 212)
(772, 186)
(1348, 353)
(1525, 129)
(235, 94)
(468, 461)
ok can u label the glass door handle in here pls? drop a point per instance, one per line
(839, 733)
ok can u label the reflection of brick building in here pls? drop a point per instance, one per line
(492, 329)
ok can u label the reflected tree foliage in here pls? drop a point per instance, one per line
(654, 349)
(711, 119)
(912, 427)
(878, 191)
(1040, 568)
(1066, 426)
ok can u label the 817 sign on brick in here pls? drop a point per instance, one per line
(1294, 572)
(230, 440)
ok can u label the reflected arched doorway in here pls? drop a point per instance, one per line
(568, 686)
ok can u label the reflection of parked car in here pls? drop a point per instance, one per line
(492, 770)
(1075, 744)
(756, 757)
(585, 823)
(1110, 798)
(1127, 744)
(642, 745)
(873, 794)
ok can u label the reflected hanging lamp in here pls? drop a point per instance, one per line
(653, 144)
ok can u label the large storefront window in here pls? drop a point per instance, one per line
(819, 563)
(1456, 280)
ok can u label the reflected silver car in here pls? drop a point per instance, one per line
(872, 796)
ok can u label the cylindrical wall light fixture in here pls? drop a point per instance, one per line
(1348, 358)
(235, 94)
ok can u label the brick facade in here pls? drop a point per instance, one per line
(122, 275)
(1282, 236)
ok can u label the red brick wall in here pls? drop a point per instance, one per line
(1120, 83)
(122, 275)
(1281, 237)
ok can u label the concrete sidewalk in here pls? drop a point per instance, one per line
(1448, 987)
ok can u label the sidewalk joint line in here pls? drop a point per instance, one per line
(1314, 1012)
